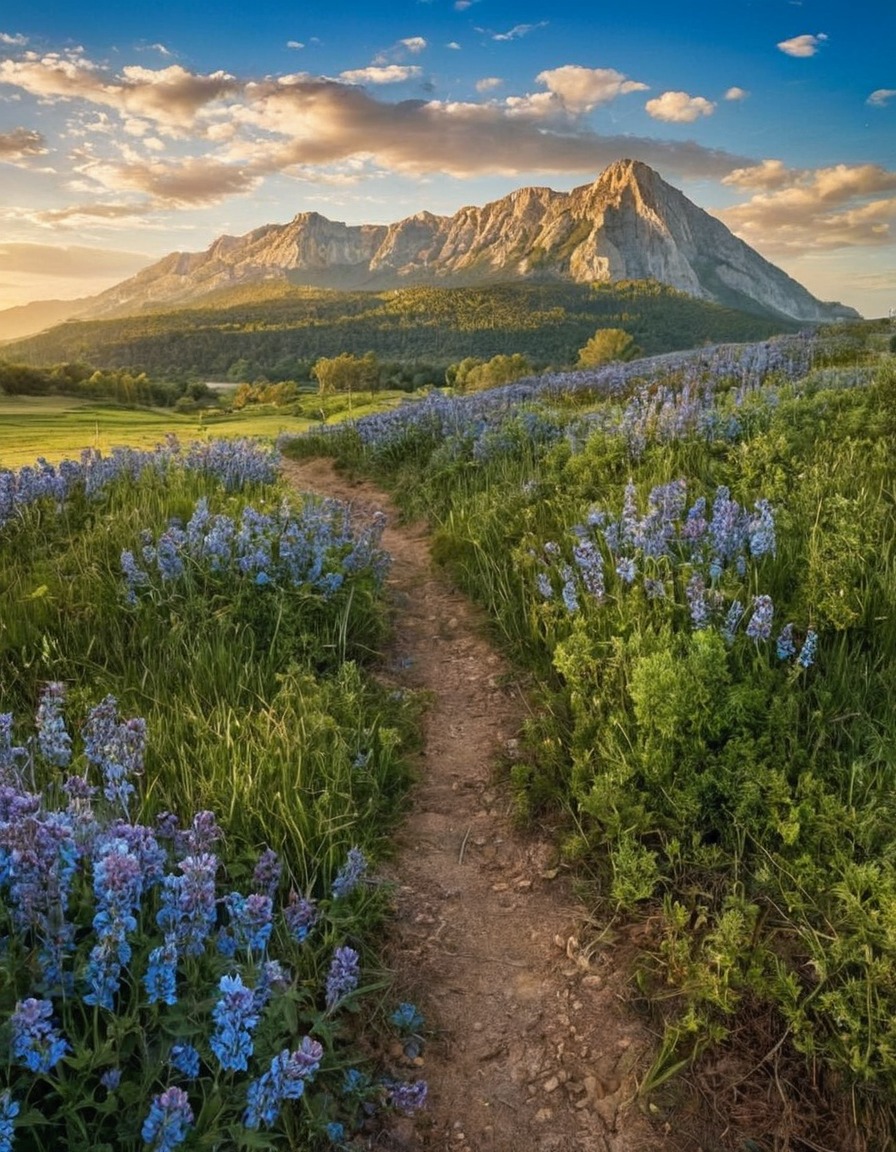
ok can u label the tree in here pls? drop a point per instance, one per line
(606, 345)
(346, 373)
(472, 374)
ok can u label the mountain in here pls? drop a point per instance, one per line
(25, 319)
(628, 225)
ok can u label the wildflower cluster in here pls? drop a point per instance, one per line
(317, 549)
(707, 550)
(129, 921)
(232, 463)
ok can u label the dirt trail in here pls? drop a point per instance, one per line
(532, 1048)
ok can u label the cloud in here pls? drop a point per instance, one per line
(799, 210)
(21, 143)
(488, 83)
(454, 45)
(68, 261)
(381, 74)
(171, 96)
(161, 49)
(880, 97)
(17, 41)
(190, 182)
(679, 107)
(736, 93)
(519, 30)
(572, 91)
(294, 44)
(413, 43)
(806, 45)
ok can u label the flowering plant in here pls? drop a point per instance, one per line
(143, 1003)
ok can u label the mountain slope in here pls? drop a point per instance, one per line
(629, 224)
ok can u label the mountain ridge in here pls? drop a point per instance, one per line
(629, 224)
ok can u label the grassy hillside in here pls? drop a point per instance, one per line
(280, 329)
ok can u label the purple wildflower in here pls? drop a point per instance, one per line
(53, 740)
(300, 915)
(806, 657)
(404, 1096)
(350, 874)
(284, 1080)
(268, 870)
(760, 625)
(696, 594)
(342, 979)
(785, 646)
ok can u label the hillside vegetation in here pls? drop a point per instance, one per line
(280, 330)
(694, 558)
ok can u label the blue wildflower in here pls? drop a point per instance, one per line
(785, 646)
(53, 740)
(335, 1132)
(184, 1058)
(267, 873)
(251, 922)
(350, 874)
(160, 979)
(696, 595)
(285, 1079)
(36, 1044)
(760, 624)
(300, 915)
(235, 1016)
(406, 1018)
(626, 570)
(342, 979)
(9, 1109)
(169, 1121)
(543, 583)
(806, 657)
(732, 619)
(110, 1079)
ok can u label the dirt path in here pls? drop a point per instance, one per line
(533, 1050)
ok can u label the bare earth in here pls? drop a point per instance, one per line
(532, 1048)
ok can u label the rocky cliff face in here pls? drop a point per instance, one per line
(628, 225)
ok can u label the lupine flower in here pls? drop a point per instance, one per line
(568, 591)
(116, 748)
(404, 1096)
(762, 530)
(342, 979)
(284, 1080)
(235, 1017)
(406, 1018)
(36, 1044)
(300, 915)
(169, 1121)
(272, 976)
(591, 566)
(251, 921)
(53, 740)
(785, 646)
(160, 979)
(110, 1079)
(806, 657)
(625, 570)
(9, 1109)
(188, 910)
(544, 585)
(732, 619)
(10, 755)
(350, 874)
(335, 1132)
(696, 594)
(760, 625)
(184, 1058)
(268, 870)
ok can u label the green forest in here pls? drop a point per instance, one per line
(278, 331)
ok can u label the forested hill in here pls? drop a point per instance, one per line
(278, 329)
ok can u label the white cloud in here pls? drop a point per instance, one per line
(679, 107)
(294, 44)
(21, 143)
(161, 49)
(799, 210)
(453, 44)
(572, 91)
(805, 45)
(16, 41)
(413, 43)
(381, 74)
(736, 93)
(488, 83)
(519, 30)
(880, 97)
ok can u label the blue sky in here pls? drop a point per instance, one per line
(131, 130)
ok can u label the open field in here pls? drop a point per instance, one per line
(58, 427)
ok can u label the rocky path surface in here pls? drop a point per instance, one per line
(531, 1047)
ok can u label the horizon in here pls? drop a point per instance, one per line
(126, 135)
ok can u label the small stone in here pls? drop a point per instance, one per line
(500, 887)
(478, 1026)
(524, 885)
(550, 874)
(592, 981)
(577, 1005)
(543, 1115)
(551, 1084)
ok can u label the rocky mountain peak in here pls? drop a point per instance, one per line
(629, 224)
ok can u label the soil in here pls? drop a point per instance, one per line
(530, 1045)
